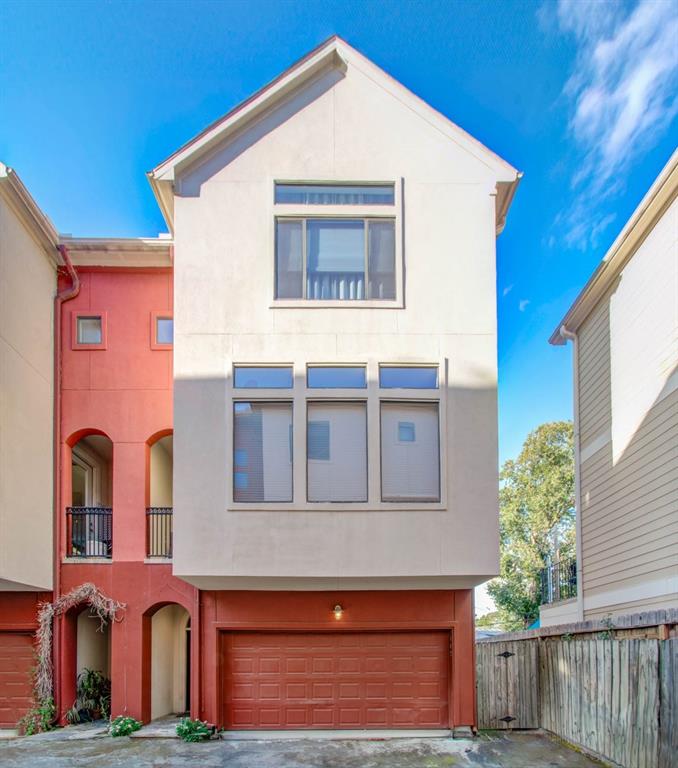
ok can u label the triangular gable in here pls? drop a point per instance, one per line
(333, 53)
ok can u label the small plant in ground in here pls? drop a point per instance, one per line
(194, 730)
(39, 718)
(124, 726)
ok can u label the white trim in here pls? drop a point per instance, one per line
(593, 446)
(647, 590)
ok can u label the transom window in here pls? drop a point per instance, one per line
(408, 377)
(336, 377)
(335, 194)
(263, 377)
(335, 259)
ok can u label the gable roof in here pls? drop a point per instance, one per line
(29, 212)
(332, 53)
(655, 203)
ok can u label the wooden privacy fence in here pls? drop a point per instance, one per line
(617, 697)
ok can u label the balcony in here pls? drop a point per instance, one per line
(159, 532)
(89, 532)
(558, 581)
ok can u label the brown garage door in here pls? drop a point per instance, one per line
(336, 680)
(16, 662)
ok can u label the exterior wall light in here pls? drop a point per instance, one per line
(338, 612)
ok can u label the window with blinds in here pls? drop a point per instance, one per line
(336, 435)
(262, 452)
(410, 452)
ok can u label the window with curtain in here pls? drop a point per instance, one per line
(336, 435)
(262, 456)
(335, 259)
(410, 452)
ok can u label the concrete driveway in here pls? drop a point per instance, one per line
(490, 750)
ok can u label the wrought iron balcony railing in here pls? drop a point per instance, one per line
(89, 532)
(159, 532)
(557, 581)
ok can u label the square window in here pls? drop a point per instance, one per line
(164, 330)
(318, 437)
(89, 329)
(406, 432)
(262, 470)
(336, 452)
(410, 469)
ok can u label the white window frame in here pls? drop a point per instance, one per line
(301, 395)
(365, 212)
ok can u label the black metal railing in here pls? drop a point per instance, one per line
(557, 581)
(89, 531)
(159, 532)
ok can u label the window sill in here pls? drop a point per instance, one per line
(88, 560)
(157, 561)
(340, 506)
(336, 304)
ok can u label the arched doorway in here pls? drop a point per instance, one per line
(170, 668)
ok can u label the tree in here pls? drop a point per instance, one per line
(536, 519)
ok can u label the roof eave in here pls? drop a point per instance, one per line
(653, 205)
(29, 211)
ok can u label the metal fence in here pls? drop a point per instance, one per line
(557, 581)
(159, 532)
(89, 532)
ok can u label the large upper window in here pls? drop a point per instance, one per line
(336, 436)
(335, 259)
(410, 452)
(262, 452)
(335, 194)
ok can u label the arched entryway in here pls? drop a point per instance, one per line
(168, 652)
(159, 495)
(89, 513)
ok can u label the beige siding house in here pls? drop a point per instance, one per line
(624, 326)
(28, 263)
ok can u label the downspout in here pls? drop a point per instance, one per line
(66, 294)
(570, 336)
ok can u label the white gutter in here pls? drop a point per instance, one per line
(569, 336)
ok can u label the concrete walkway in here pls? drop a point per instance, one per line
(490, 750)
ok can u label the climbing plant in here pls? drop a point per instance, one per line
(86, 594)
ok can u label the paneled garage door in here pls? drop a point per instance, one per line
(16, 662)
(335, 680)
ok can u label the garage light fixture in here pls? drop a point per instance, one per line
(338, 611)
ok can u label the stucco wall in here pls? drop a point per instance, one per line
(628, 396)
(27, 287)
(343, 127)
(93, 647)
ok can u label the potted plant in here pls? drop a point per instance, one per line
(93, 698)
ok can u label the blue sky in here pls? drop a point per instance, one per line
(580, 96)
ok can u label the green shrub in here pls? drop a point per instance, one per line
(93, 698)
(123, 726)
(39, 718)
(194, 730)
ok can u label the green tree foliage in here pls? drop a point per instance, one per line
(536, 519)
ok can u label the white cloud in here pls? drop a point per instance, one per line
(622, 96)
(522, 304)
(507, 290)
